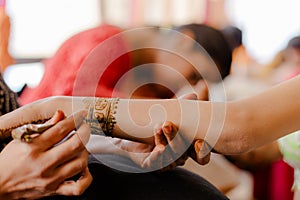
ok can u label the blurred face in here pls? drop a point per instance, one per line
(176, 64)
(292, 56)
(182, 64)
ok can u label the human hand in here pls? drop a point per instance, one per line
(170, 150)
(199, 151)
(37, 169)
(168, 153)
(162, 155)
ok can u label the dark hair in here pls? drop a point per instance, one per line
(294, 43)
(215, 44)
(233, 35)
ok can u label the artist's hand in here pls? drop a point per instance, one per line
(37, 169)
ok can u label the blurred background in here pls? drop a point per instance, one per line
(38, 28)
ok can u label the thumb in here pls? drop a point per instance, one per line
(202, 90)
(191, 96)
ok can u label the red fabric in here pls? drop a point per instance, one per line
(88, 64)
(274, 182)
(282, 178)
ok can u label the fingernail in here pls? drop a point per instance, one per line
(157, 130)
(203, 149)
(84, 113)
(160, 147)
(167, 128)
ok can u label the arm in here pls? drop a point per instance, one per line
(247, 124)
(140, 126)
(267, 116)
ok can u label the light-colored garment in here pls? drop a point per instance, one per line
(290, 148)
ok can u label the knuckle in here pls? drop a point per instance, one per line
(46, 185)
(146, 164)
(61, 128)
(85, 156)
(77, 191)
(77, 144)
(82, 164)
(45, 171)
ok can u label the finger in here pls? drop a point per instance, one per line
(84, 133)
(58, 116)
(181, 161)
(191, 96)
(69, 148)
(72, 167)
(76, 188)
(169, 130)
(159, 138)
(203, 93)
(32, 112)
(59, 131)
(155, 159)
(30, 131)
(202, 152)
(163, 155)
(177, 144)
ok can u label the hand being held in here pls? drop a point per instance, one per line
(171, 149)
(171, 143)
(199, 150)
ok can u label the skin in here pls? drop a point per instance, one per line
(49, 166)
(249, 123)
(270, 115)
(170, 70)
(49, 178)
(151, 157)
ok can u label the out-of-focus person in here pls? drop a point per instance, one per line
(5, 57)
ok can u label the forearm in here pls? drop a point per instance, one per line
(272, 114)
(135, 119)
(233, 127)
